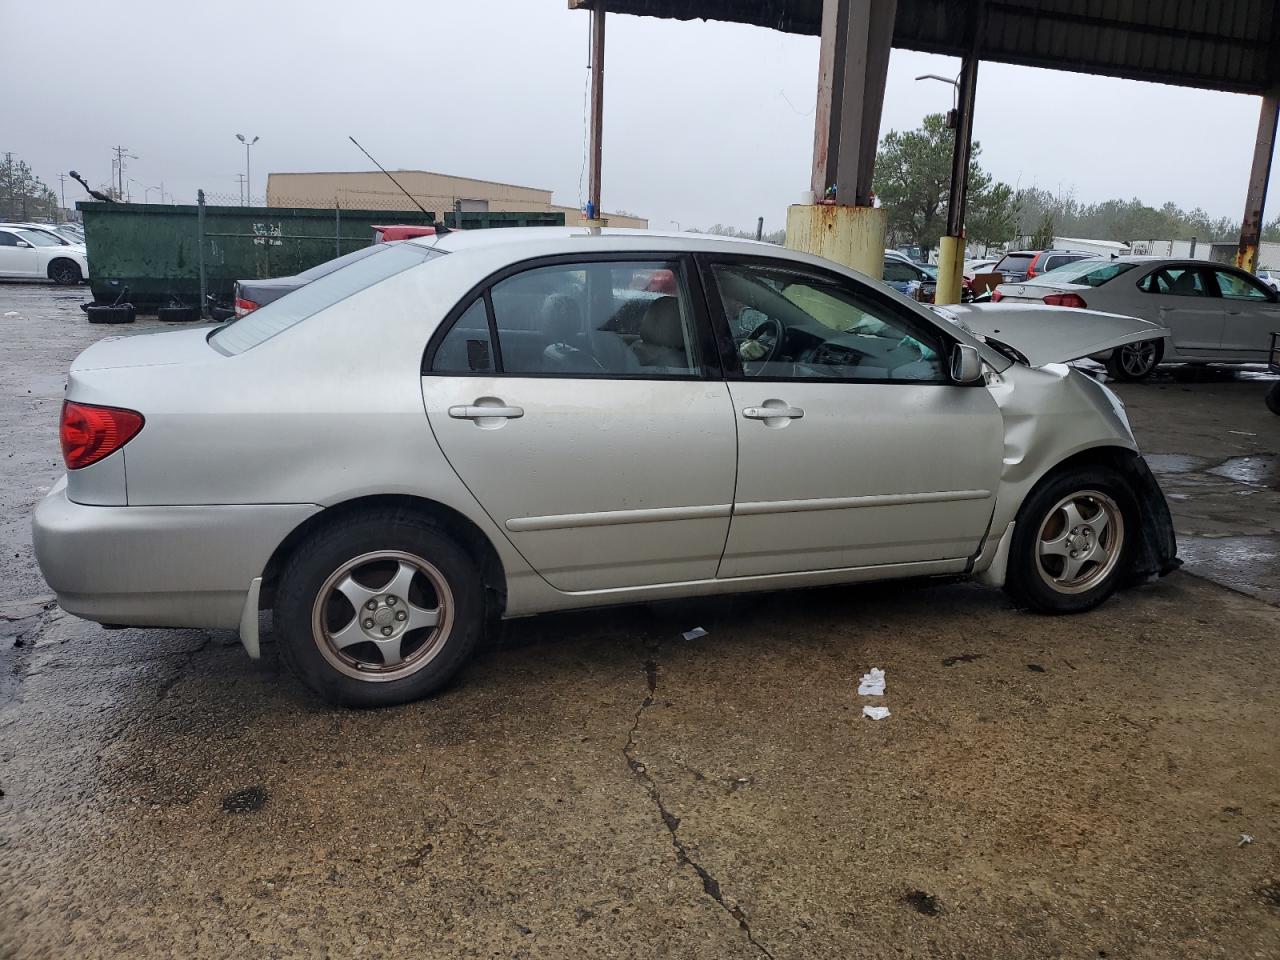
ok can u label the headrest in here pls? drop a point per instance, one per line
(661, 325)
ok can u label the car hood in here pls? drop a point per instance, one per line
(1044, 334)
(148, 350)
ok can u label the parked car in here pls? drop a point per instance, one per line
(27, 253)
(1018, 265)
(1215, 312)
(973, 267)
(1270, 277)
(908, 278)
(483, 424)
(252, 294)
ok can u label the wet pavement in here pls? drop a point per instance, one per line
(596, 786)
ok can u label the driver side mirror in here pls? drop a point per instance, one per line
(22, 243)
(966, 364)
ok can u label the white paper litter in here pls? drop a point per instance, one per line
(875, 713)
(872, 683)
(12, 313)
(694, 634)
(1244, 838)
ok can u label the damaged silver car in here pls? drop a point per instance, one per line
(504, 422)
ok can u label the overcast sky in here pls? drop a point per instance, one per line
(704, 122)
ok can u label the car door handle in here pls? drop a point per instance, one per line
(773, 410)
(480, 412)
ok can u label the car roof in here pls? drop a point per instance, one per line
(613, 238)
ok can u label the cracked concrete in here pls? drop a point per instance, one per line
(162, 795)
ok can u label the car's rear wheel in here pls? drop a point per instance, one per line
(65, 272)
(1273, 399)
(1135, 361)
(1072, 541)
(379, 608)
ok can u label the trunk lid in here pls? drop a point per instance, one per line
(1045, 334)
(147, 350)
(1032, 291)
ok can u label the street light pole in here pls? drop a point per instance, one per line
(248, 178)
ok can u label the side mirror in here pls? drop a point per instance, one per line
(966, 364)
(22, 243)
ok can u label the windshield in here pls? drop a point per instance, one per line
(38, 238)
(296, 306)
(1015, 262)
(1088, 273)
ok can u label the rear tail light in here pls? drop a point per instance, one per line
(90, 432)
(1066, 300)
(244, 306)
(996, 296)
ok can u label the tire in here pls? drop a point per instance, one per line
(177, 314)
(65, 273)
(124, 313)
(1135, 361)
(1038, 575)
(1273, 399)
(359, 668)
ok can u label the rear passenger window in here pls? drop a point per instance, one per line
(601, 319)
(467, 348)
(1175, 281)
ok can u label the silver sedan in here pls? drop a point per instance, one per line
(500, 423)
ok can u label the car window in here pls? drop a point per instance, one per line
(1091, 273)
(38, 238)
(8, 239)
(1237, 286)
(1175, 281)
(794, 325)
(306, 301)
(896, 271)
(604, 319)
(329, 266)
(1015, 263)
(468, 346)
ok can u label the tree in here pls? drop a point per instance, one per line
(913, 180)
(1042, 239)
(22, 195)
(721, 230)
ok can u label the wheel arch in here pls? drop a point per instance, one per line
(453, 522)
(1157, 547)
(53, 262)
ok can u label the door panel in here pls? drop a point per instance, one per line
(871, 473)
(1182, 298)
(16, 261)
(1249, 316)
(598, 483)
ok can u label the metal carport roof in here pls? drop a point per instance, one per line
(1229, 45)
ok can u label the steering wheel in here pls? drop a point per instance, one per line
(769, 335)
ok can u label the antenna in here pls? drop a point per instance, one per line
(391, 178)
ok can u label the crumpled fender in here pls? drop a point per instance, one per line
(1156, 552)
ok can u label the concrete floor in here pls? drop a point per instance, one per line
(596, 786)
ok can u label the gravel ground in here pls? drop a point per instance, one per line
(596, 786)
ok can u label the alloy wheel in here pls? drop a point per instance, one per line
(383, 615)
(1079, 542)
(1138, 359)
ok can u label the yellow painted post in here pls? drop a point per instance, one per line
(853, 236)
(950, 269)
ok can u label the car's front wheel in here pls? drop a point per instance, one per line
(65, 272)
(378, 609)
(1071, 541)
(1135, 361)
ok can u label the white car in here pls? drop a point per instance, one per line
(1270, 277)
(28, 253)
(503, 422)
(1215, 312)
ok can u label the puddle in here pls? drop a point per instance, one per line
(1248, 564)
(1258, 470)
(1175, 462)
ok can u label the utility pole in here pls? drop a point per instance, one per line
(62, 185)
(122, 154)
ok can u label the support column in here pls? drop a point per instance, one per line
(1263, 149)
(841, 223)
(593, 216)
(951, 247)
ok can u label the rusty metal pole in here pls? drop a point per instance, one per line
(951, 247)
(1263, 149)
(597, 111)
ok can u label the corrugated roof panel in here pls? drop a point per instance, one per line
(1220, 44)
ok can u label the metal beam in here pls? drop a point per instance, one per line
(853, 62)
(597, 110)
(1255, 202)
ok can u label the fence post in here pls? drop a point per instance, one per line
(337, 229)
(204, 300)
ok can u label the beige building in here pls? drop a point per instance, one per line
(438, 192)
